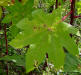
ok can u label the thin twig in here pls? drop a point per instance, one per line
(77, 16)
(5, 35)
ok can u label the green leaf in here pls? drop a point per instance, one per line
(4, 2)
(14, 30)
(45, 34)
(71, 63)
(78, 5)
(17, 12)
(0, 12)
(19, 60)
(18, 9)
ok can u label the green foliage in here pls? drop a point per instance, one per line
(71, 63)
(78, 5)
(45, 34)
(4, 2)
(17, 59)
(16, 11)
(0, 12)
(60, 1)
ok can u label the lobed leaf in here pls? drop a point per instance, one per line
(45, 34)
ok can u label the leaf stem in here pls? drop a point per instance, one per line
(5, 31)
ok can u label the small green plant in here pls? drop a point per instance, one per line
(43, 32)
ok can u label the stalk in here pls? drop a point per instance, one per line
(73, 10)
(5, 35)
(56, 4)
